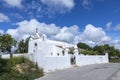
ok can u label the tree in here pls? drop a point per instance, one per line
(102, 49)
(23, 46)
(6, 42)
(84, 46)
(89, 52)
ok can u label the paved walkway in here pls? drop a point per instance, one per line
(109, 71)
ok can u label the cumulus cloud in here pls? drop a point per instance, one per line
(67, 34)
(14, 3)
(14, 33)
(49, 29)
(95, 34)
(91, 35)
(27, 28)
(108, 25)
(3, 17)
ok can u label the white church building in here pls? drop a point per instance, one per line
(52, 55)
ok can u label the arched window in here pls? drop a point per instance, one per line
(58, 54)
(35, 45)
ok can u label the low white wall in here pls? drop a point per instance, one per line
(51, 63)
(91, 59)
(5, 56)
(14, 55)
(54, 63)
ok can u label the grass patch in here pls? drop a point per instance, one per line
(19, 68)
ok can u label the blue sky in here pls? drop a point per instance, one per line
(89, 21)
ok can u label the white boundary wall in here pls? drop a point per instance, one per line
(54, 63)
(91, 59)
(51, 63)
(15, 55)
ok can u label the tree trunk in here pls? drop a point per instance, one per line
(11, 55)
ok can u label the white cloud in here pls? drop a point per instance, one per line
(60, 4)
(117, 28)
(67, 33)
(92, 33)
(3, 17)
(14, 33)
(115, 43)
(108, 25)
(87, 4)
(26, 28)
(49, 8)
(49, 29)
(14, 3)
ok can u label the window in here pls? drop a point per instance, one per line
(51, 53)
(35, 44)
(58, 54)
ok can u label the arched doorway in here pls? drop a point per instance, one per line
(73, 59)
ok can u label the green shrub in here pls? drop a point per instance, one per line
(89, 52)
(29, 70)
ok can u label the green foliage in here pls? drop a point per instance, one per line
(23, 46)
(114, 54)
(83, 46)
(6, 42)
(89, 52)
(102, 49)
(19, 68)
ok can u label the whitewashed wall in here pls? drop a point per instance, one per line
(51, 63)
(91, 59)
(14, 55)
(5, 56)
(54, 63)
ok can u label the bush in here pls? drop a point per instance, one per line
(89, 52)
(19, 68)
